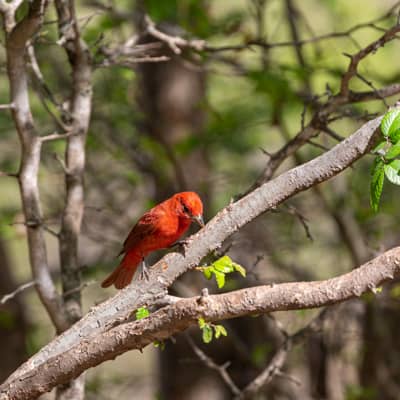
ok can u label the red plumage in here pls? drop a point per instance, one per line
(158, 228)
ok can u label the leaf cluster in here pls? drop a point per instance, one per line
(386, 163)
(209, 330)
(220, 268)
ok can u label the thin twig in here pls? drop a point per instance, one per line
(62, 163)
(356, 58)
(303, 220)
(375, 90)
(174, 42)
(82, 286)
(7, 106)
(9, 174)
(268, 373)
(209, 362)
(18, 290)
(57, 136)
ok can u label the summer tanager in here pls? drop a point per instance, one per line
(158, 228)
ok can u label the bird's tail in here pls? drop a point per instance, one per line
(123, 274)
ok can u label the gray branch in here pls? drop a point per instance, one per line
(225, 223)
(175, 318)
(16, 50)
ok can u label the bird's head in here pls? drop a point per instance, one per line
(190, 206)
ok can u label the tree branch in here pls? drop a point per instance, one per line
(18, 290)
(210, 363)
(8, 9)
(184, 313)
(356, 58)
(16, 45)
(267, 374)
(226, 222)
(80, 110)
(80, 107)
(174, 42)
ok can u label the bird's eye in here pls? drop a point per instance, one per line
(185, 208)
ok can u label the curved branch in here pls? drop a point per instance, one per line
(225, 223)
(356, 58)
(184, 313)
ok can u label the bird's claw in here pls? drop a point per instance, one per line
(144, 272)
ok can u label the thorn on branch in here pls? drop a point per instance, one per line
(348, 55)
(267, 153)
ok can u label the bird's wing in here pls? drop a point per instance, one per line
(147, 225)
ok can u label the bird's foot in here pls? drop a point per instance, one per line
(144, 272)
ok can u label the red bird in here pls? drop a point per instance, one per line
(158, 228)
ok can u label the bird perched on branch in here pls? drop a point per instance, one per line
(158, 228)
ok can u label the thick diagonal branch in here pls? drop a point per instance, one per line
(226, 222)
(184, 313)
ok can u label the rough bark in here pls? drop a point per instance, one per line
(78, 124)
(16, 51)
(226, 222)
(185, 312)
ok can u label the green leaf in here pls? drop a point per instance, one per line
(160, 344)
(220, 330)
(392, 171)
(207, 333)
(220, 267)
(240, 269)
(224, 265)
(393, 152)
(376, 290)
(395, 136)
(142, 312)
(201, 322)
(391, 123)
(220, 278)
(378, 177)
(381, 146)
(207, 271)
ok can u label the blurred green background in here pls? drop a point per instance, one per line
(205, 121)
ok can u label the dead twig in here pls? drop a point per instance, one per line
(18, 290)
(210, 363)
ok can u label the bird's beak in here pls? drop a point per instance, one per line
(199, 219)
